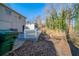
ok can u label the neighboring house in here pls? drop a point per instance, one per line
(30, 26)
(10, 19)
(30, 32)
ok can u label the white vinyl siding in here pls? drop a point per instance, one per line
(11, 19)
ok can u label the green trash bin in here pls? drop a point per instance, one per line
(7, 35)
(5, 47)
(7, 39)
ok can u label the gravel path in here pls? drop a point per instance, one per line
(42, 47)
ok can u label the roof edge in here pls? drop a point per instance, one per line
(12, 9)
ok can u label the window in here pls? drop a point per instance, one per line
(1, 11)
(19, 17)
(8, 11)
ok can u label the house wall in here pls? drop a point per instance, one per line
(11, 20)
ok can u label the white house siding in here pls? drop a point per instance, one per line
(8, 21)
(4, 26)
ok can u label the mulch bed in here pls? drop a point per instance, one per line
(40, 48)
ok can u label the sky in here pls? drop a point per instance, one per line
(32, 10)
(29, 10)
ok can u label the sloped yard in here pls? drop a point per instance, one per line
(52, 45)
